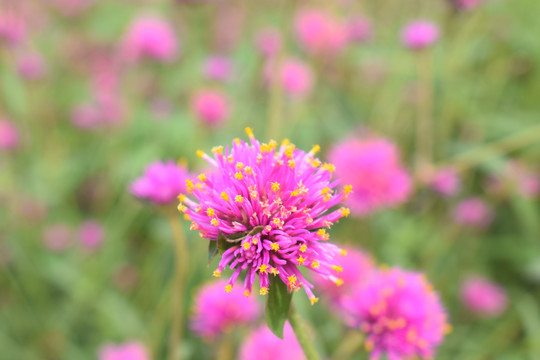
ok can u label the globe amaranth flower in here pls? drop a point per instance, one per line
(273, 206)
(446, 182)
(295, 77)
(320, 33)
(372, 167)
(210, 106)
(218, 68)
(400, 314)
(161, 183)
(473, 212)
(418, 35)
(483, 297)
(262, 344)
(357, 267)
(127, 351)
(216, 312)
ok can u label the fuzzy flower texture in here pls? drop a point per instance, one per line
(273, 205)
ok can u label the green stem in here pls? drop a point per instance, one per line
(350, 345)
(301, 335)
(179, 281)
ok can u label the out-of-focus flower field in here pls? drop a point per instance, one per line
(418, 122)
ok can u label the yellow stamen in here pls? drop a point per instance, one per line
(292, 279)
(337, 268)
(345, 212)
(214, 222)
(186, 217)
(210, 212)
(263, 268)
(239, 198)
(228, 288)
(263, 291)
(202, 177)
(274, 271)
(315, 149)
(199, 153)
(314, 300)
(217, 273)
(347, 189)
(321, 232)
(325, 190)
(342, 252)
(316, 163)
(285, 142)
(338, 282)
(181, 208)
(246, 245)
(289, 151)
(249, 132)
(224, 196)
(239, 175)
(315, 264)
(182, 197)
(301, 260)
(303, 248)
(189, 185)
(329, 167)
(294, 193)
(291, 163)
(239, 165)
(275, 246)
(327, 197)
(218, 150)
(248, 170)
(275, 186)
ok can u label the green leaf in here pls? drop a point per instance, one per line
(277, 306)
(212, 250)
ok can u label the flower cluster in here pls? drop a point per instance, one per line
(483, 297)
(262, 344)
(161, 183)
(272, 207)
(400, 313)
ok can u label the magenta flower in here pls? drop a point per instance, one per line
(372, 167)
(294, 76)
(418, 35)
(161, 183)
(91, 234)
(218, 68)
(273, 206)
(466, 5)
(12, 29)
(57, 237)
(357, 267)
(320, 33)
(268, 42)
(400, 313)
(127, 351)
(210, 106)
(359, 29)
(9, 135)
(525, 180)
(262, 344)
(217, 312)
(150, 37)
(473, 212)
(31, 66)
(483, 297)
(446, 182)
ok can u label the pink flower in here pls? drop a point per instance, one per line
(420, 34)
(127, 351)
(466, 5)
(217, 312)
(262, 344)
(400, 314)
(12, 29)
(218, 68)
(319, 32)
(71, 7)
(91, 234)
(446, 182)
(161, 183)
(275, 204)
(295, 76)
(359, 29)
(373, 168)
(483, 297)
(524, 179)
(31, 66)
(269, 42)
(210, 106)
(57, 237)
(473, 212)
(150, 37)
(356, 266)
(9, 135)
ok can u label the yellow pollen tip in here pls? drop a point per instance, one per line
(263, 268)
(292, 279)
(210, 212)
(224, 196)
(217, 273)
(248, 170)
(247, 293)
(339, 282)
(218, 150)
(275, 246)
(202, 177)
(199, 153)
(329, 167)
(182, 197)
(181, 208)
(303, 248)
(246, 245)
(214, 222)
(186, 217)
(291, 163)
(327, 197)
(315, 149)
(228, 288)
(345, 212)
(314, 300)
(325, 190)
(249, 132)
(342, 252)
(239, 175)
(275, 186)
(337, 268)
(321, 232)
(285, 142)
(263, 291)
(301, 260)
(239, 198)
(274, 271)
(294, 193)
(239, 165)
(347, 189)
(315, 264)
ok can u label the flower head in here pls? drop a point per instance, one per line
(9, 135)
(268, 42)
(31, 66)
(418, 35)
(319, 32)
(217, 311)
(218, 68)
(12, 29)
(446, 182)
(473, 212)
(262, 344)
(400, 314)
(150, 37)
(483, 297)
(272, 205)
(161, 183)
(294, 76)
(372, 167)
(210, 106)
(91, 234)
(127, 351)
(466, 5)
(359, 29)
(57, 237)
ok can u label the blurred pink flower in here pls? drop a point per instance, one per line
(12, 29)
(319, 32)
(31, 66)
(400, 313)
(269, 42)
(419, 34)
(91, 234)
(373, 169)
(71, 7)
(446, 182)
(483, 297)
(57, 237)
(359, 29)
(210, 106)
(356, 267)
(262, 344)
(9, 135)
(217, 312)
(127, 351)
(150, 37)
(218, 68)
(524, 179)
(467, 5)
(473, 212)
(161, 183)
(294, 76)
